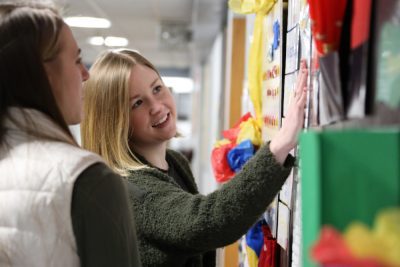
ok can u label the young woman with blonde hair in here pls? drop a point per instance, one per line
(60, 205)
(129, 116)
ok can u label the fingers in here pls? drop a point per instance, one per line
(301, 83)
(299, 109)
(302, 98)
(303, 64)
(302, 78)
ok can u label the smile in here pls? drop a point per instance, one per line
(161, 121)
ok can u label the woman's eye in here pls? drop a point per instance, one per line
(137, 104)
(79, 61)
(157, 89)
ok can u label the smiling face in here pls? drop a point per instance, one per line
(66, 74)
(153, 111)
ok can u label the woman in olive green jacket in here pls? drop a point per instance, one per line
(129, 117)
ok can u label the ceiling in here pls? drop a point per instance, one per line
(142, 21)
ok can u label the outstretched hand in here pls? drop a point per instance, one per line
(286, 138)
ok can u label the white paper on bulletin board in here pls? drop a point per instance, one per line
(305, 32)
(271, 216)
(292, 50)
(293, 13)
(272, 72)
(285, 195)
(283, 225)
(290, 83)
(272, 109)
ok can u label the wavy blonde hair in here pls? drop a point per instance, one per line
(105, 126)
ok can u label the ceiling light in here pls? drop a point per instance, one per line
(116, 41)
(96, 40)
(180, 85)
(108, 41)
(87, 22)
(166, 35)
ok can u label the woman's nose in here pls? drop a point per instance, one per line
(156, 107)
(85, 73)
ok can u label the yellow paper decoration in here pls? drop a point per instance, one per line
(250, 129)
(221, 143)
(260, 8)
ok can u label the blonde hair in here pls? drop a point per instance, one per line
(105, 126)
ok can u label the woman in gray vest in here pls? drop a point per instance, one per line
(59, 204)
(129, 117)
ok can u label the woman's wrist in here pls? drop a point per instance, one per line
(280, 151)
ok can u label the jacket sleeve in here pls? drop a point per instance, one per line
(102, 220)
(172, 217)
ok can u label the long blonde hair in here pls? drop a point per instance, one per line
(105, 126)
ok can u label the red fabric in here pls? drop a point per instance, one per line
(327, 20)
(219, 160)
(268, 252)
(232, 133)
(219, 163)
(361, 22)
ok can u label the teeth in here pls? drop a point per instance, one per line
(161, 121)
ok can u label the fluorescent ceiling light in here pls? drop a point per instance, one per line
(96, 40)
(108, 41)
(87, 22)
(179, 85)
(115, 41)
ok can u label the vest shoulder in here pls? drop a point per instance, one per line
(50, 156)
(65, 151)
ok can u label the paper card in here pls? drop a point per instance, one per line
(290, 83)
(283, 225)
(285, 196)
(272, 72)
(271, 216)
(292, 50)
(293, 13)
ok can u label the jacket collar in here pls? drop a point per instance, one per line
(34, 123)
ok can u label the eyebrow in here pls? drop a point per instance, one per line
(154, 81)
(79, 51)
(151, 85)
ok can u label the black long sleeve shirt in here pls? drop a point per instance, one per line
(102, 219)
